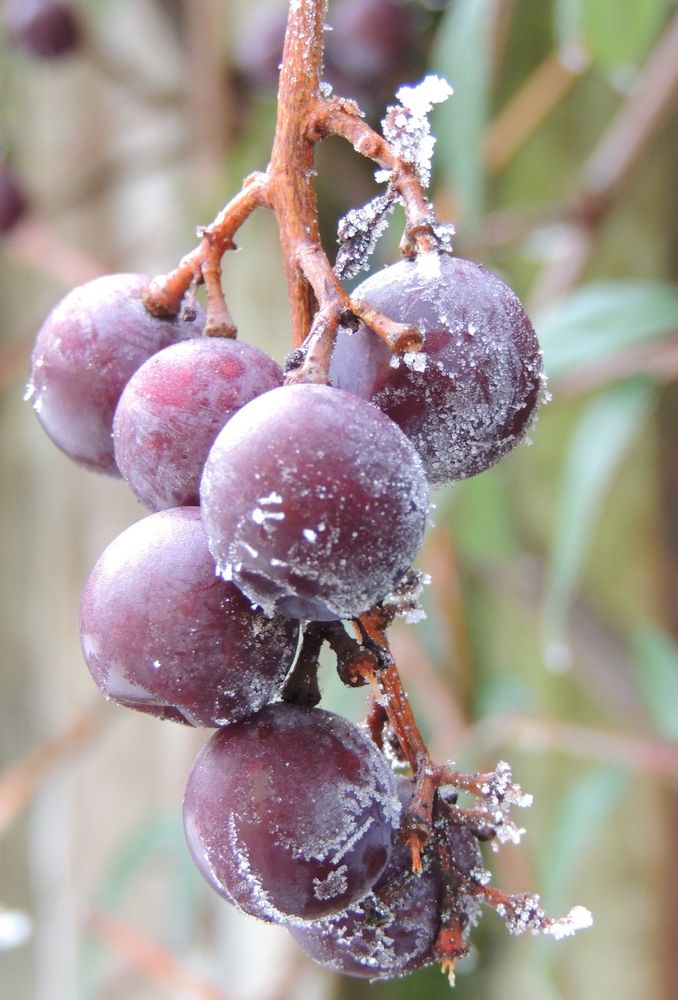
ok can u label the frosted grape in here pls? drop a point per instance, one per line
(392, 930)
(86, 351)
(314, 502)
(172, 409)
(470, 395)
(290, 814)
(161, 633)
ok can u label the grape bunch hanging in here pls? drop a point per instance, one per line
(287, 507)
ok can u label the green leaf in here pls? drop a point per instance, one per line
(620, 32)
(601, 319)
(603, 434)
(656, 662)
(583, 811)
(463, 55)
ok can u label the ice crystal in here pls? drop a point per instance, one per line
(358, 232)
(406, 126)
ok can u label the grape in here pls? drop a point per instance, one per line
(46, 28)
(314, 502)
(392, 930)
(369, 41)
(174, 406)
(162, 634)
(87, 349)
(290, 813)
(13, 204)
(471, 394)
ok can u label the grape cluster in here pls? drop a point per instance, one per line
(277, 506)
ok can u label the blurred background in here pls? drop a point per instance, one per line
(552, 631)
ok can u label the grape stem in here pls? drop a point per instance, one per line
(318, 302)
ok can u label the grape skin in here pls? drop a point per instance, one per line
(314, 502)
(172, 409)
(392, 930)
(290, 813)
(162, 634)
(86, 351)
(471, 394)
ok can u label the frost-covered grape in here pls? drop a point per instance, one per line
(172, 409)
(13, 203)
(392, 930)
(87, 349)
(290, 814)
(470, 395)
(47, 28)
(314, 502)
(163, 634)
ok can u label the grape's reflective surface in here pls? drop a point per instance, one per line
(314, 502)
(86, 351)
(290, 814)
(470, 395)
(172, 409)
(161, 633)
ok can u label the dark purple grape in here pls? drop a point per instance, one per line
(172, 409)
(392, 930)
(290, 814)
(314, 502)
(369, 41)
(468, 398)
(88, 348)
(47, 28)
(163, 634)
(13, 203)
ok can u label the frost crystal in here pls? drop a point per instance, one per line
(406, 126)
(358, 232)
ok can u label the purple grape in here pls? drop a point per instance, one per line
(468, 398)
(392, 930)
(290, 814)
(13, 204)
(88, 348)
(163, 634)
(172, 409)
(314, 502)
(47, 28)
(369, 41)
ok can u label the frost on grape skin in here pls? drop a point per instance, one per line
(290, 813)
(352, 508)
(472, 392)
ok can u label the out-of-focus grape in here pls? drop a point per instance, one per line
(86, 351)
(161, 633)
(314, 502)
(469, 396)
(46, 28)
(172, 409)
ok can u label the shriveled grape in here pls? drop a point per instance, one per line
(161, 633)
(314, 502)
(290, 814)
(86, 351)
(470, 395)
(392, 930)
(172, 409)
